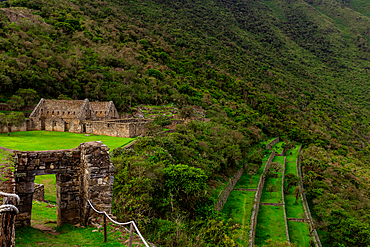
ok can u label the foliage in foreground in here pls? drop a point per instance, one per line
(165, 183)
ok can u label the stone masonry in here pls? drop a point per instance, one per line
(81, 116)
(83, 173)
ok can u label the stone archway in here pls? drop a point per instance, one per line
(83, 173)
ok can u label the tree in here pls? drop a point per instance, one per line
(185, 184)
(15, 119)
(297, 193)
(252, 170)
(290, 180)
(288, 145)
(186, 112)
(271, 188)
(15, 102)
(29, 96)
(275, 166)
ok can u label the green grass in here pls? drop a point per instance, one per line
(43, 214)
(270, 224)
(299, 233)
(49, 182)
(239, 207)
(276, 196)
(51, 140)
(69, 236)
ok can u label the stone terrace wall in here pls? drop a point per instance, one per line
(272, 143)
(222, 199)
(257, 199)
(306, 208)
(283, 200)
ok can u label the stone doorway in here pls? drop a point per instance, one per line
(42, 123)
(83, 173)
(44, 214)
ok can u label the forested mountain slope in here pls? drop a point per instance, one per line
(294, 69)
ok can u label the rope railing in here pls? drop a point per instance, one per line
(121, 224)
(9, 207)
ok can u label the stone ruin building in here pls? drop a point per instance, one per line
(82, 116)
(83, 173)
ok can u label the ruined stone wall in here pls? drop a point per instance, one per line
(75, 126)
(64, 163)
(98, 175)
(39, 193)
(257, 199)
(7, 186)
(272, 143)
(137, 129)
(23, 127)
(4, 107)
(224, 195)
(82, 173)
(117, 129)
(55, 124)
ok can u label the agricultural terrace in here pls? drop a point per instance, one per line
(239, 204)
(298, 231)
(51, 140)
(270, 220)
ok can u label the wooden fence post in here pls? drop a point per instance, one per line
(105, 228)
(131, 235)
(7, 226)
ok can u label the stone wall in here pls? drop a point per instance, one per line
(39, 193)
(224, 195)
(272, 143)
(4, 107)
(283, 200)
(257, 199)
(306, 208)
(7, 186)
(23, 127)
(82, 173)
(116, 128)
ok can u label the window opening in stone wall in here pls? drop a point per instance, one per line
(44, 203)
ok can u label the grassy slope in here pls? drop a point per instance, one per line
(270, 220)
(49, 140)
(270, 224)
(239, 205)
(298, 231)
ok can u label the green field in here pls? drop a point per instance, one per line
(299, 233)
(270, 224)
(52, 140)
(67, 235)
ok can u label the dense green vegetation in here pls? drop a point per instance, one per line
(50, 140)
(293, 69)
